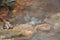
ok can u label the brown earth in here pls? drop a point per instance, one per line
(34, 20)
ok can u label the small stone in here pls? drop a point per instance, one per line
(24, 29)
(43, 27)
(2, 36)
(26, 33)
